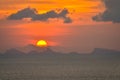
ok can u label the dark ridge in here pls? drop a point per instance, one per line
(104, 51)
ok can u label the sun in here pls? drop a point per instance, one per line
(41, 43)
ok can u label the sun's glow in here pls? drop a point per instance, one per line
(41, 43)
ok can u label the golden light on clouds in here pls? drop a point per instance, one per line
(74, 6)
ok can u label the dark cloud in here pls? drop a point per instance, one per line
(112, 12)
(25, 13)
(32, 13)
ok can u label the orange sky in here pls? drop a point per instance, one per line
(76, 7)
(15, 33)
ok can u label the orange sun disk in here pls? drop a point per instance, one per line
(41, 43)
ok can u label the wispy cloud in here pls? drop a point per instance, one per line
(16, 2)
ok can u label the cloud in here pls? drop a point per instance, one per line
(112, 12)
(25, 13)
(32, 13)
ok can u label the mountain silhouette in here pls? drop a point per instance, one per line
(101, 51)
(33, 50)
(13, 52)
(42, 51)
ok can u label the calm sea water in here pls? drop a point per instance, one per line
(58, 68)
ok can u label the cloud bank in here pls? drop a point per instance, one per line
(32, 13)
(112, 12)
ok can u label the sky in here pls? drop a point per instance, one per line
(68, 25)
